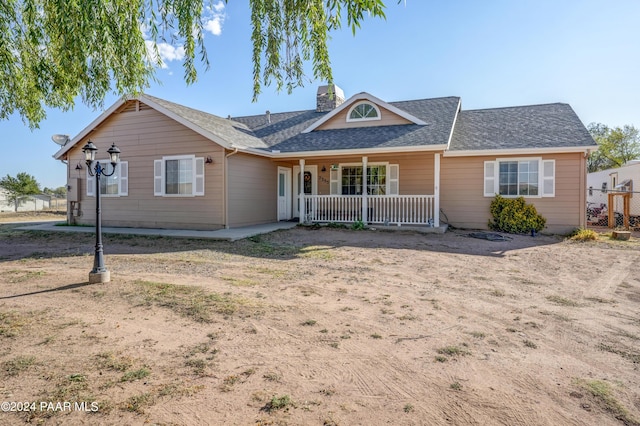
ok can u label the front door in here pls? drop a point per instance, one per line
(284, 193)
(310, 185)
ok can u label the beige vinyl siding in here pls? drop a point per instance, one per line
(252, 190)
(144, 136)
(387, 118)
(463, 202)
(416, 170)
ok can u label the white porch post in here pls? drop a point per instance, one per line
(436, 190)
(302, 208)
(365, 209)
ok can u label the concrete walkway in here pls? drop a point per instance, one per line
(232, 234)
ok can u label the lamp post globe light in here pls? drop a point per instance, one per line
(99, 273)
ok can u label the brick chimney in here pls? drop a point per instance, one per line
(326, 103)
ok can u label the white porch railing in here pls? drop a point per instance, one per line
(381, 209)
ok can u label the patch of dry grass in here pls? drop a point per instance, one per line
(190, 301)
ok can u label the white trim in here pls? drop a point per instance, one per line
(95, 123)
(342, 152)
(159, 108)
(519, 151)
(213, 138)
(453, 126)
(391, 180)
(287, 193)
(123, 173)
(198, 177)
(194, 176)
(123, 181)
(296, 184)
(496, 176)
(489, 179)
(544, 178)
(436, 190)
(91, 182)
(359, 97)
(357, 120)
(368, 164)
(158, 178)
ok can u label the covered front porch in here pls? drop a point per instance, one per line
(378, 209)
(393, 190)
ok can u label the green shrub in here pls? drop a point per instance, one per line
(581, 234)
(515, 216)
(358, 225)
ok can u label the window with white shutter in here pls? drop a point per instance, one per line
(519, 177)
(113, 183)
(178, 176)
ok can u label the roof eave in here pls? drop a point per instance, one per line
(205, 133)
(95, 123)
(453, 125)
(520, 151)
(340, 152)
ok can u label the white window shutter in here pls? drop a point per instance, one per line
(123, 173)
(394, 179)
(157, 177)
(334, 187)
(91, 183)
(549, 178)
(199, 176)
(490, 189)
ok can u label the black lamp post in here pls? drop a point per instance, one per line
(99, 274)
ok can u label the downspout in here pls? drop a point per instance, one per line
(365, 208)
(226, 187)
(302, 206)
(583, 185)
(436, 190)
(69, 209)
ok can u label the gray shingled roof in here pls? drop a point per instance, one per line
(230, 131)
(284, 133)
(522, 127)
(533, 126)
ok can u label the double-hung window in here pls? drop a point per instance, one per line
(179, 176)
(116, 185)
(521, 177)
(348, 179)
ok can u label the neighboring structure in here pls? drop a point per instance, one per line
(397, 163)
(622, 179)
(28, 203)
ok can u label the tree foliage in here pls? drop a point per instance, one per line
(616, 146)
(19, 186)
(59, 192)
(52, 51)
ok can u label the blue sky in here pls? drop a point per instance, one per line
(490, 53)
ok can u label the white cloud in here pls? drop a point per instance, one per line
(166, 51)
(213, 23)
(214, 26)
(213, 19)
(219, 7)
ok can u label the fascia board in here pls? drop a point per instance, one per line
(521, 151)
(340, 152)
(95, 123)
(453, 126)
(359, 97)
(205, 133)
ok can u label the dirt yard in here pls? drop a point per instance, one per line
(320, 327)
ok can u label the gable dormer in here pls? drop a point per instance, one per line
(363, 110)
